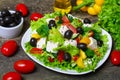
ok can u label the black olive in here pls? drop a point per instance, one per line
(99, 43)
(87, 21)
(51, 24)
(33, 42)
(8, 19)
(68, 34)
(67, 57)
(12, 24)
(2, 23)
(79, 30)
(5, 12)
(82, 46)
(1, 18)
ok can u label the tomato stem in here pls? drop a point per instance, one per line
(85, 3)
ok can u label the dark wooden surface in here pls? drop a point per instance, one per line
(106, 72)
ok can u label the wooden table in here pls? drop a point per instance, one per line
(106, 72)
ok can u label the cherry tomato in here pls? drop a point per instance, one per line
(36, 51)
(115, 57)
(24, 66)
(60, 56)
(22, 8)
(71, 27)
(9, 48)
(35, 16)
(12, 76)
(65, 19)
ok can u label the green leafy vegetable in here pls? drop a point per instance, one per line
(73, 50)
(43, 30)
(109, 19)
(52, 36)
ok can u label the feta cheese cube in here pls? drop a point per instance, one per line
(50, 46)
(93, 43)
(71, 42)
(63, 29)
(41, 43)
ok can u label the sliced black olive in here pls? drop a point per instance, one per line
(87, 21)
(79, 30)
(68, 34)
(67, 57)
(82, 46)
(5, 12)
(33, 42)
(51, 24)
(99, 43)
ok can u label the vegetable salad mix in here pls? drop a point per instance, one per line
(66, 42)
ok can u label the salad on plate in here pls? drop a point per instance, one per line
(65, 43)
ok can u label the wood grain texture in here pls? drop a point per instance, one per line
(106, 72)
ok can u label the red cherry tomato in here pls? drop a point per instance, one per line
(71, 27)
(9, 48)
(22, 8)
(65, 19)
(36, 51)
(35, 16)
(115, 57)
(24, 66)
(60, 56)
(12, 76)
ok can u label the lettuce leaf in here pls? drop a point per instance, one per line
(55, 36)
(73, 50)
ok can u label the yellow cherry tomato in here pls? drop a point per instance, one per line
(91, 11)
(78, 2)
(99, 2)
(97, 8)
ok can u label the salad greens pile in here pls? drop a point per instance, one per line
(60, 49)
(109, 19)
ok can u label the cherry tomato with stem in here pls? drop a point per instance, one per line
(12, 76)
(22, 8)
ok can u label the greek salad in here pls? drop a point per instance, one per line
(66, 42)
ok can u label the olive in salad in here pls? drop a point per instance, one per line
(66, 42)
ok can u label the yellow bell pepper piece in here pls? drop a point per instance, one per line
(84, 8)
(99, 2)
(97, 8)
(82, 54)
(80, 63)
(35, 35)
(92, 11)
(85, 40)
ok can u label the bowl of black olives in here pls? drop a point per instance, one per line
(11, 23)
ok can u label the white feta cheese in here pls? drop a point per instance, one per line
(87, 25)
(63, 29)
(41, 43)
(71, 42)
(93, 43)
(50, 47)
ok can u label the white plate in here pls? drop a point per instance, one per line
(26, 38)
